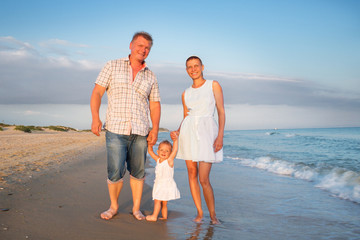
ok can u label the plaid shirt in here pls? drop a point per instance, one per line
(128, 100)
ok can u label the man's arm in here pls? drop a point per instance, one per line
(95, 103)
(155, 112)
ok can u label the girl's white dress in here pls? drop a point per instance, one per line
(199, 129)
(164, 188)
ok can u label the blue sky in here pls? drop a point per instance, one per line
(283, 63)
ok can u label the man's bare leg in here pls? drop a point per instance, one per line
(114, 192)
(137, 189)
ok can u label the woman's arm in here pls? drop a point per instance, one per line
(219, 99)
(173, 153)
(175, 134)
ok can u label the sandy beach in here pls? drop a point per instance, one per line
(53, 186)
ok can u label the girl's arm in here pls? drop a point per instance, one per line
(219, 99)
(151, 152)
(173, 153)
(175, 134)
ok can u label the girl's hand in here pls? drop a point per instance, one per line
(218, 144)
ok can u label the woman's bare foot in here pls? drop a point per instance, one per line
(198, 219)
(151, 218)
(215, 221)
(108, 214)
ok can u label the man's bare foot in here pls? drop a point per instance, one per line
(108, 214)
(138, 215)
(151, 218)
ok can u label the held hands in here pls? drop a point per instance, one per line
(174, 135)
(152, 138)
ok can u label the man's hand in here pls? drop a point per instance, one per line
(96, 127)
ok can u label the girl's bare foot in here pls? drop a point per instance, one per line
(108, 214)
(151, 218)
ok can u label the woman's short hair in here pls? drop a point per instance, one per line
(193, 57)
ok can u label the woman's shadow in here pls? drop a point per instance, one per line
(199, 228)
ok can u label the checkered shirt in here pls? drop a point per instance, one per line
(128, 100)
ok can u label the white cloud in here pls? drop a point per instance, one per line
(59, 42)
(30, 77)
(251, 76)
(11, 41)
(252, 100)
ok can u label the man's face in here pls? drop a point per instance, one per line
(140, 48)
(194, 68)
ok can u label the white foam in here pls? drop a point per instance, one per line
(342, 183)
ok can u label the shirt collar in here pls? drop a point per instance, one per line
(127, 59)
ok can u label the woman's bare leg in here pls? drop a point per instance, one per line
(195, 188)
(204, 177)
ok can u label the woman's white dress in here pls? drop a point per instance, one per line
(164, 188)
(199, 129)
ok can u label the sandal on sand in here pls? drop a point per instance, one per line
(138, 215)
(108, 214)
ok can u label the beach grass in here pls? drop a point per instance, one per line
(31, 128)
(28, 129)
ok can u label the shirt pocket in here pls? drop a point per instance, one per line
(120, 80)
(142, 87)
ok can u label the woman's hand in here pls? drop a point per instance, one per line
(218, 144)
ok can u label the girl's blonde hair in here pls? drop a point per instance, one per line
(166, 142)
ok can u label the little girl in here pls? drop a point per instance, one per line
(165, 188)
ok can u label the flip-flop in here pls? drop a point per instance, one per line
(108, 214)
(138, 215)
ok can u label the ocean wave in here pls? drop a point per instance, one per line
(340, 182)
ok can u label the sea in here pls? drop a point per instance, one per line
(276, 184)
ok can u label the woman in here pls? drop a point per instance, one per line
(200, 139)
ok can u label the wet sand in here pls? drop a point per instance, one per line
(53, 186)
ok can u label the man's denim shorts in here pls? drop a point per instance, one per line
(129, 149)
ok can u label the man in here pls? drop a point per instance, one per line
(132, 91)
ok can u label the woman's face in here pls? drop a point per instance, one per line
(194, 68)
